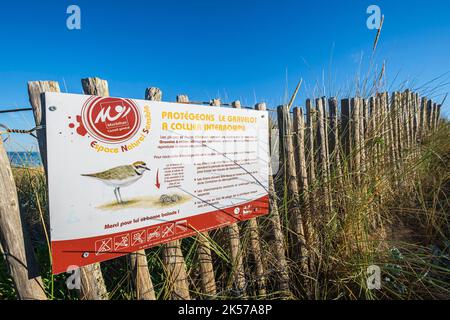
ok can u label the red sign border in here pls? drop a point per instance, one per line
(82, 252)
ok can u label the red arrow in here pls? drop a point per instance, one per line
(157, 179)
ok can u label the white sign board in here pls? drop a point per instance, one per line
(127, 174)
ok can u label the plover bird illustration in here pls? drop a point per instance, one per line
(120, 176)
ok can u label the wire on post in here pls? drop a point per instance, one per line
(6, 130)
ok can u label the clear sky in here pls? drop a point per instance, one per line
(234, 49)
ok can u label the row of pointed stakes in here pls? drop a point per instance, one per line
(318, 146)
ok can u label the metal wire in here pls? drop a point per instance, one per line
(8, 131)
(16, 110)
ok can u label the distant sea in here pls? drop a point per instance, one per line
(24, 159)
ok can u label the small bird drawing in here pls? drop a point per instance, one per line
(120, 176)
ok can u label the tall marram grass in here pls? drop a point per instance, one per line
(396, 219)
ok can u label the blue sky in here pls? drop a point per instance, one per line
(247, 50)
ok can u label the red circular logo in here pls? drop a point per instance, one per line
(111, 120)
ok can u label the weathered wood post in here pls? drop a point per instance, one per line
(293, 200)
(300, 158)
(138, 260)
(346, 132)
(374, 132)
(255, 243)
(177, 282)
(92, 282)
(290, 178)
(310, 155)
(402, 123)
(15, 244)
(237, 261)
(206, 267)
(434, 120)
(398, 105)
(407, 117)
(411, 120)
(424, 117)
(438, 115)
(388, 128)
(334, 144)
(418, 118)
(429, 116)
(363, 133)
(274, 217)
(302, 174)
(323, 155)
(356, 120)
(366, 118)
(203, 249)
(98, 87)
(35, 88)
(326, 129)
(142, 281)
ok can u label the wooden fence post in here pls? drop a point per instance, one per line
(438, 115)
(92, 283)
(411, 120)
(138, 260)
(92, 274)
(356, 138)
(430, 110)
(274, 217)
(35, 88)
(326, 129)
(302, 177)
(346, 131)
(142, 280)
(290, 178)
(237, 262)
(323, 154)
(374, 132)
(388, 128)
(172, 254)
(417, 117)
(402, 123)
(255, 243)
(310, 161)
(203, 249)
(206, 267)
(366, 118)
(407, 122)
(434, 116)
(363, 134)
(15, 244)
(300, 160)
(334, 144)
(424, 117)
(397, 107)
(310, 143)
